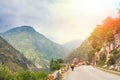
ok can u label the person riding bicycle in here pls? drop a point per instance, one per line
(72, 66)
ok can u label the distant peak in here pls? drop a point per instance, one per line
(22, 28)
(26, 27)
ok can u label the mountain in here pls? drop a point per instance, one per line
(12, 58)
(80, 52)
(72, 45)
(34, 46)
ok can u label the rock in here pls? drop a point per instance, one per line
(111, 67)
(104, 66)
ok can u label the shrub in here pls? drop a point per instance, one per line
(29, 75)
(102, 60)
(42, 75)
(24, 75)
(4, 73)
(111, 61)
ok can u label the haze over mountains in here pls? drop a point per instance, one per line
(73, 44)
(81, 52)
(34, 46)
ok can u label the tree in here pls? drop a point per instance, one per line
(54, 64)
(60, 60)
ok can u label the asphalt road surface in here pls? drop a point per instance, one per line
(89, 73)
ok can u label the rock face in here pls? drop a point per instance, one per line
(117, 65)
(11, 58)
(117, 40)
(108, 49)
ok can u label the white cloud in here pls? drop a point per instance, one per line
(60, 20)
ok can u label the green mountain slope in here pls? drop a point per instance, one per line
(33, 45)
(11, 58)
(80, 52)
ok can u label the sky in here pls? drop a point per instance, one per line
(59, 20)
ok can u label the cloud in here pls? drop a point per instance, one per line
(20, 12)
(60, 20)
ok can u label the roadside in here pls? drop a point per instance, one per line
(107, 70)
(64, 74)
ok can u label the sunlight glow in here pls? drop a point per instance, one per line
(79, 15)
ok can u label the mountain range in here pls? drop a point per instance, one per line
(34, 46)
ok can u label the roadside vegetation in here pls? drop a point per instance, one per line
(6, 74)
(56, 64)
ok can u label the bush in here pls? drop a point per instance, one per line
(24, 75)
(41, 75)
(29, 75)
(111, 61)
(4, 73)
(102, 60)
(115, 52)
(100, 63)
(113, 58)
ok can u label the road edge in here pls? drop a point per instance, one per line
(107, 70)
(64, 74)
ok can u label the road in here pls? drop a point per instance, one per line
(89, 73)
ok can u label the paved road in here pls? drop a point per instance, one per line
(90, 73)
